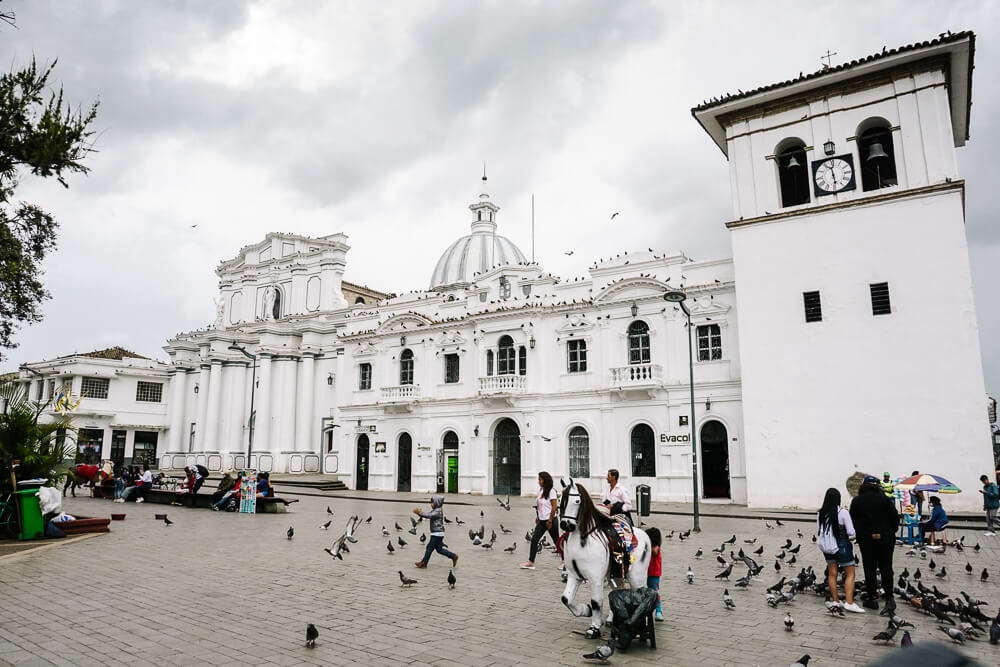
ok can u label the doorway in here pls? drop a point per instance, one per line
(362, 471)
(450, 447)
(715, 460)
(403, 462)
(507, 458)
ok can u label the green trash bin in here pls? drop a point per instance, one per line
(32, 524)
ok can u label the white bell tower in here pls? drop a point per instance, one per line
(858, 335)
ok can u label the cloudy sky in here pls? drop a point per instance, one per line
(374, 119)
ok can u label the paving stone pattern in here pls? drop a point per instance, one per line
(227, 589)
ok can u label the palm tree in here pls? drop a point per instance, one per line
(34, 447)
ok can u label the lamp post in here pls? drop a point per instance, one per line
(253, 387)
(679, 297)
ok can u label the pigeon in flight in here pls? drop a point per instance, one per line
(505, 505)
(604, 651)
(727, 599)
(334, 554)
(167, 521)
(327, 524)
(401, 542)
(614, 215)
(511, 548)
(389, 547)
(504, 530)
(406, 581)
(291, 532)
(568, 253)
(311, 635)
(690, 575)
(329, 511)
(451, 579)
(789, 622)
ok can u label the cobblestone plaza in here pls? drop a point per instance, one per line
(229, 589)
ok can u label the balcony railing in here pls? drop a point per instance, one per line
(501, 385)
(404, 393)
(637, 375)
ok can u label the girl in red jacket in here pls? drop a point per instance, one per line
(655, 569)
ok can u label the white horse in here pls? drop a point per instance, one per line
(587, 556)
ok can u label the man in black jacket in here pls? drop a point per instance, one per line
(875, 523)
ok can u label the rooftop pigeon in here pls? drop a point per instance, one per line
(311, 635)
(291, 532)
(451, 579)
(727, 599)
(406, 580)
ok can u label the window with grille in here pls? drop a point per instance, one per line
(709, 342)
(95, 387)
(522, 361)
(406, 367)
(505, 356)
(365, 377)
(880, 299)
(579, 452)
(814, 309)
(577, 352)
(638, 343)
(149, 392)
(451, 368)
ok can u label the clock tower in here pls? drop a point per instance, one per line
(858, 338)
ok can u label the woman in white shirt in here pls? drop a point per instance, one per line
(835, 530)
(547, 510)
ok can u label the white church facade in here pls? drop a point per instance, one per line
(820, 349)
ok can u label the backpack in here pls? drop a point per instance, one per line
(202, 470)
(232, 505)
(827, 539)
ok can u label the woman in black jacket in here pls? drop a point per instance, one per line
(875, 523)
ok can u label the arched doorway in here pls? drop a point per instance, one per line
(507, 459)
(450, 447)
(715, 460)
(403, 459)
(643, 451)
(362, 465)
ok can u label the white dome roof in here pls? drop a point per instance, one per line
(478, 252)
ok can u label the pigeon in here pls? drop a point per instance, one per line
(504, 530)
(352, 525)
(482, 514)
(943, 573)
(955, 634)
(423, 537)
(781, 555)
(932, 564)
(802, 662)
(369, 519)
(311, 635)
(905, 641)
(458, 521)
(447, 520)
(778, 521)
(329, 511)
(759, 551)
(167, 521)
(906, 573)
(385, 532)
(985, 575)
(290, 533)
(721, 549)
(334, 554)
(511, 548)
(690, 575)
(789, 621)
(505, 505)
(727, 599)
(976, 548)
(401, 542)
(886, 635)
(487, 545)
(995, 630)
(398, 527)
(389, 547)
(327, 524)
(731, 540)
(527, 536)
(742, 583)
(814, 539)
(777, 566)
(787, 544)
(916, 575)
(698, 553)
(795, 550)
(753, 541)
(406, 581)
(603, 652)
(769, 526)
(798, 533)
(493, 536)
(725, 573)
(476, 541)
(451, 579)
(901, 622)
(968, 567)
(792, 560)
(412, 531)
(721, 561)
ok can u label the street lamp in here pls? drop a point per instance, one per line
(678, 297)
(253, 386)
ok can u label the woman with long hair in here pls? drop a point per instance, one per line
(545, 508)
(835, 530)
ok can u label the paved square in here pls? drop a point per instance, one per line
(227, 589)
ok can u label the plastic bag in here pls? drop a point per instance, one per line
(50, 500)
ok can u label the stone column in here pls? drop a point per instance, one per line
(236, 376)
(283, 386)
(178, 397)
(202, 413)
(262, 405)
(210, 439)
(304, 406)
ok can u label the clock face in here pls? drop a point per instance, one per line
(835, 174)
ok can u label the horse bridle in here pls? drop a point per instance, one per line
(568, 522)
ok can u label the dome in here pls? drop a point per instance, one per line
(477, 252)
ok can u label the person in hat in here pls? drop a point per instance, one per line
(875, 520)
(991, 501)
(887, 486)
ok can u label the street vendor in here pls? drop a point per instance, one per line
(887, 486)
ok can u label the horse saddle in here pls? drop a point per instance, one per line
(621, 543)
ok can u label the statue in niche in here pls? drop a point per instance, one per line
(272, 303)
(220, 309)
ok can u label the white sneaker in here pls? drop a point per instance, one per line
(140, 500)
(989, 534)
(854, 607)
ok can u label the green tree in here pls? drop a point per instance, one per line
(42, 136)
(35, 446)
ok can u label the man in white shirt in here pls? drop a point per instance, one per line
(617, 498)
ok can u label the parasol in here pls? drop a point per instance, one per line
(926, 482)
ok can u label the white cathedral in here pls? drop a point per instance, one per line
(822, 348)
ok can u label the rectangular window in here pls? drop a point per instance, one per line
(95, 387)
(814, 309)
(149, 392)
(451, 368)
(522, 361)
(144, 451)
(577, 351)
(709, 342)
(365, 377)
(51, 390)
(880, 299)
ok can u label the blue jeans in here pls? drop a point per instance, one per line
(436, 543)
(119, 487)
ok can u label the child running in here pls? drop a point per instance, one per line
(436, 543)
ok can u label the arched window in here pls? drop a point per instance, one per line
(793, 175)
(359, 299)
(638, 343)
(489, 362)
(522, 361)
(406, 367)
(878, 158)
(579, 452)
(276, 308)
(505, 356)
(450, 440)
(643, 452)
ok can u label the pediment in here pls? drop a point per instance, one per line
(365, 349)
(706, 306)
(450, 339)
(632, 288)
(404, 322)
(575, 323)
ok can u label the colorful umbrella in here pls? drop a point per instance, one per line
(926, 482)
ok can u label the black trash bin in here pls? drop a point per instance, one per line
(643, 496)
